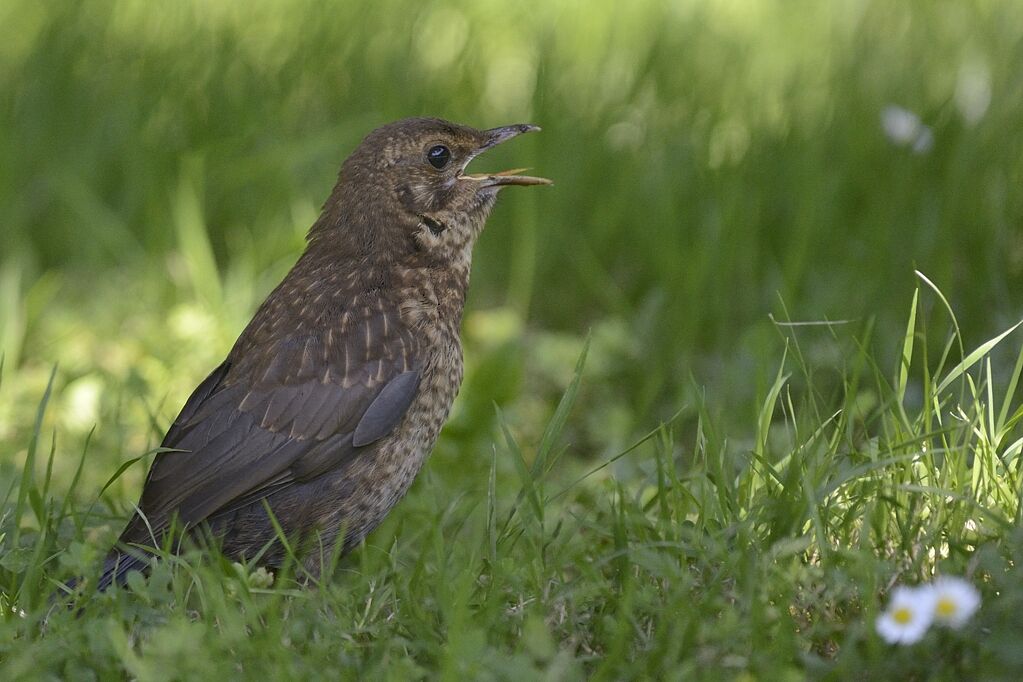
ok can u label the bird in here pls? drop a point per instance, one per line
(334, 394)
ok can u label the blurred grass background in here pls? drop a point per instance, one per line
(716, 163)
(722, 169)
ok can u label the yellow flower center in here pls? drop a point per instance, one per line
(946, 607)
(902, 616)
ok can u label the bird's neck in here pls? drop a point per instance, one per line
(440, 284)
(442, 281)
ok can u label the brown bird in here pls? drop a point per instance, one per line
(333, 396)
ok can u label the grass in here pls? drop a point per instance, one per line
(776, 421)
(684, 555)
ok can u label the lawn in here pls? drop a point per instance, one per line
(749, 366)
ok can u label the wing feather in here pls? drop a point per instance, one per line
(284, 411)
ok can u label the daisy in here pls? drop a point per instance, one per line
(909, 614)
(955, 600)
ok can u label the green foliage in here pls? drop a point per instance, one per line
(760, 444)
(708, 156)
(681, 556)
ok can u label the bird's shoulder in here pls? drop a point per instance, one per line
(317, 345)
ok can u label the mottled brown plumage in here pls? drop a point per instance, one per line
(334, 394)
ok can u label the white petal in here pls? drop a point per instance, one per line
(900, 125)
(961, 594)
(918, 601)
(900, 633)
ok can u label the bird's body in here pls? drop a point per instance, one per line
(334, 394)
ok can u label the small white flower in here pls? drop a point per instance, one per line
(909, 614)
(905, 129)
(955, 601)
(924, 141)
(901, 126)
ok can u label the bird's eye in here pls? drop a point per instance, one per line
(438, 156)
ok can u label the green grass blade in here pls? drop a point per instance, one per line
(766, 414)
(527, 477)
(907, 350)
(972, 359)
(948, 308)
(1010, 392)
(27, 488)
(543, 462)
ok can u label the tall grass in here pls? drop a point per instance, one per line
(679, 556)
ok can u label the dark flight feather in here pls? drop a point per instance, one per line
(387, 408)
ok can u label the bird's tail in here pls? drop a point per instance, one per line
(117, 566)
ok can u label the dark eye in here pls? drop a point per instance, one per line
(438, 156)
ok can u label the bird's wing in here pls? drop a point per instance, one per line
(299, 408)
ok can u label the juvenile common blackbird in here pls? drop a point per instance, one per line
(335, 392)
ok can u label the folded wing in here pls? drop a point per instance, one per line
(287, 412)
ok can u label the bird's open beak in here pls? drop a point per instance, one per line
(494, 137)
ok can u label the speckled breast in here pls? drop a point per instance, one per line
(376, 481)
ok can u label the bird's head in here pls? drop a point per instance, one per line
(406, 188)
